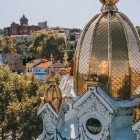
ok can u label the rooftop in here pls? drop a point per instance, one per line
(44, 64)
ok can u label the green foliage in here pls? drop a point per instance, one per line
(21, 117)
(32, 87)
(72, 36)
(44, 44)
(6, 45)
(19, 100)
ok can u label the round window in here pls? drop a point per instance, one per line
(94, 126)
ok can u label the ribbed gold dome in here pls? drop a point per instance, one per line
(111, 43)
(53, 95)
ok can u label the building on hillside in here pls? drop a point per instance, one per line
(77, 36)
(56, 67)
(43, 65)
(99, 101)
(41, 70)
(43, 25)
(30, 65)
(20, 38)
(20, 29)
(24, 50)
(38, 67)
(62, 32)
(14, 61)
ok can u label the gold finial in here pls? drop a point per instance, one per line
(53, 94)
(66, 69)
(51, 78)
(91, 64)
(65, 58)
(51, 57)
(109, 2)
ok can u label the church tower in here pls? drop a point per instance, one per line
(23, 20)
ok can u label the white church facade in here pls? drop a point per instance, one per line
(100, 100)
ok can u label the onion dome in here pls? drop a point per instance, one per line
(111, 44)
(53, 95)
(23, 18)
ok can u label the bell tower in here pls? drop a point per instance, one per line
(23, 20)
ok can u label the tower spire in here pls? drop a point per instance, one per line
(65, 58)
(51, 58)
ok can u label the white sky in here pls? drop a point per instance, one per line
(63, 13)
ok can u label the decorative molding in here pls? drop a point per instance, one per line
(124, 111)
(51, 121)
(95, 93)
(92, 107)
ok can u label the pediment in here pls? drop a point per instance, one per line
(92, 98)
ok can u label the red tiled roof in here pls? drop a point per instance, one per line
(44, 64)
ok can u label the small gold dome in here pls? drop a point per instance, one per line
(110, 2)
(53, 95)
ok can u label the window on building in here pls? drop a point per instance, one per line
(94, 126)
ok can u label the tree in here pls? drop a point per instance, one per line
(44, 44)
(30, 124)
(72, 36)
(19, 100)
(6, 45)
(11, 121)
(5, 93)
(21, 119)
(32, 86)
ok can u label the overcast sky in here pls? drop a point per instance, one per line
(63, 13)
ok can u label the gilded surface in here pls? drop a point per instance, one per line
(111, 43)
(134, 55)
(99, 52)
(53, 95)
(119, 62)
(136, 115)
(83, 53)
(110, 2)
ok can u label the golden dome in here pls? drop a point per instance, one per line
(53, 95)
(110, 2)
(111, 43)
